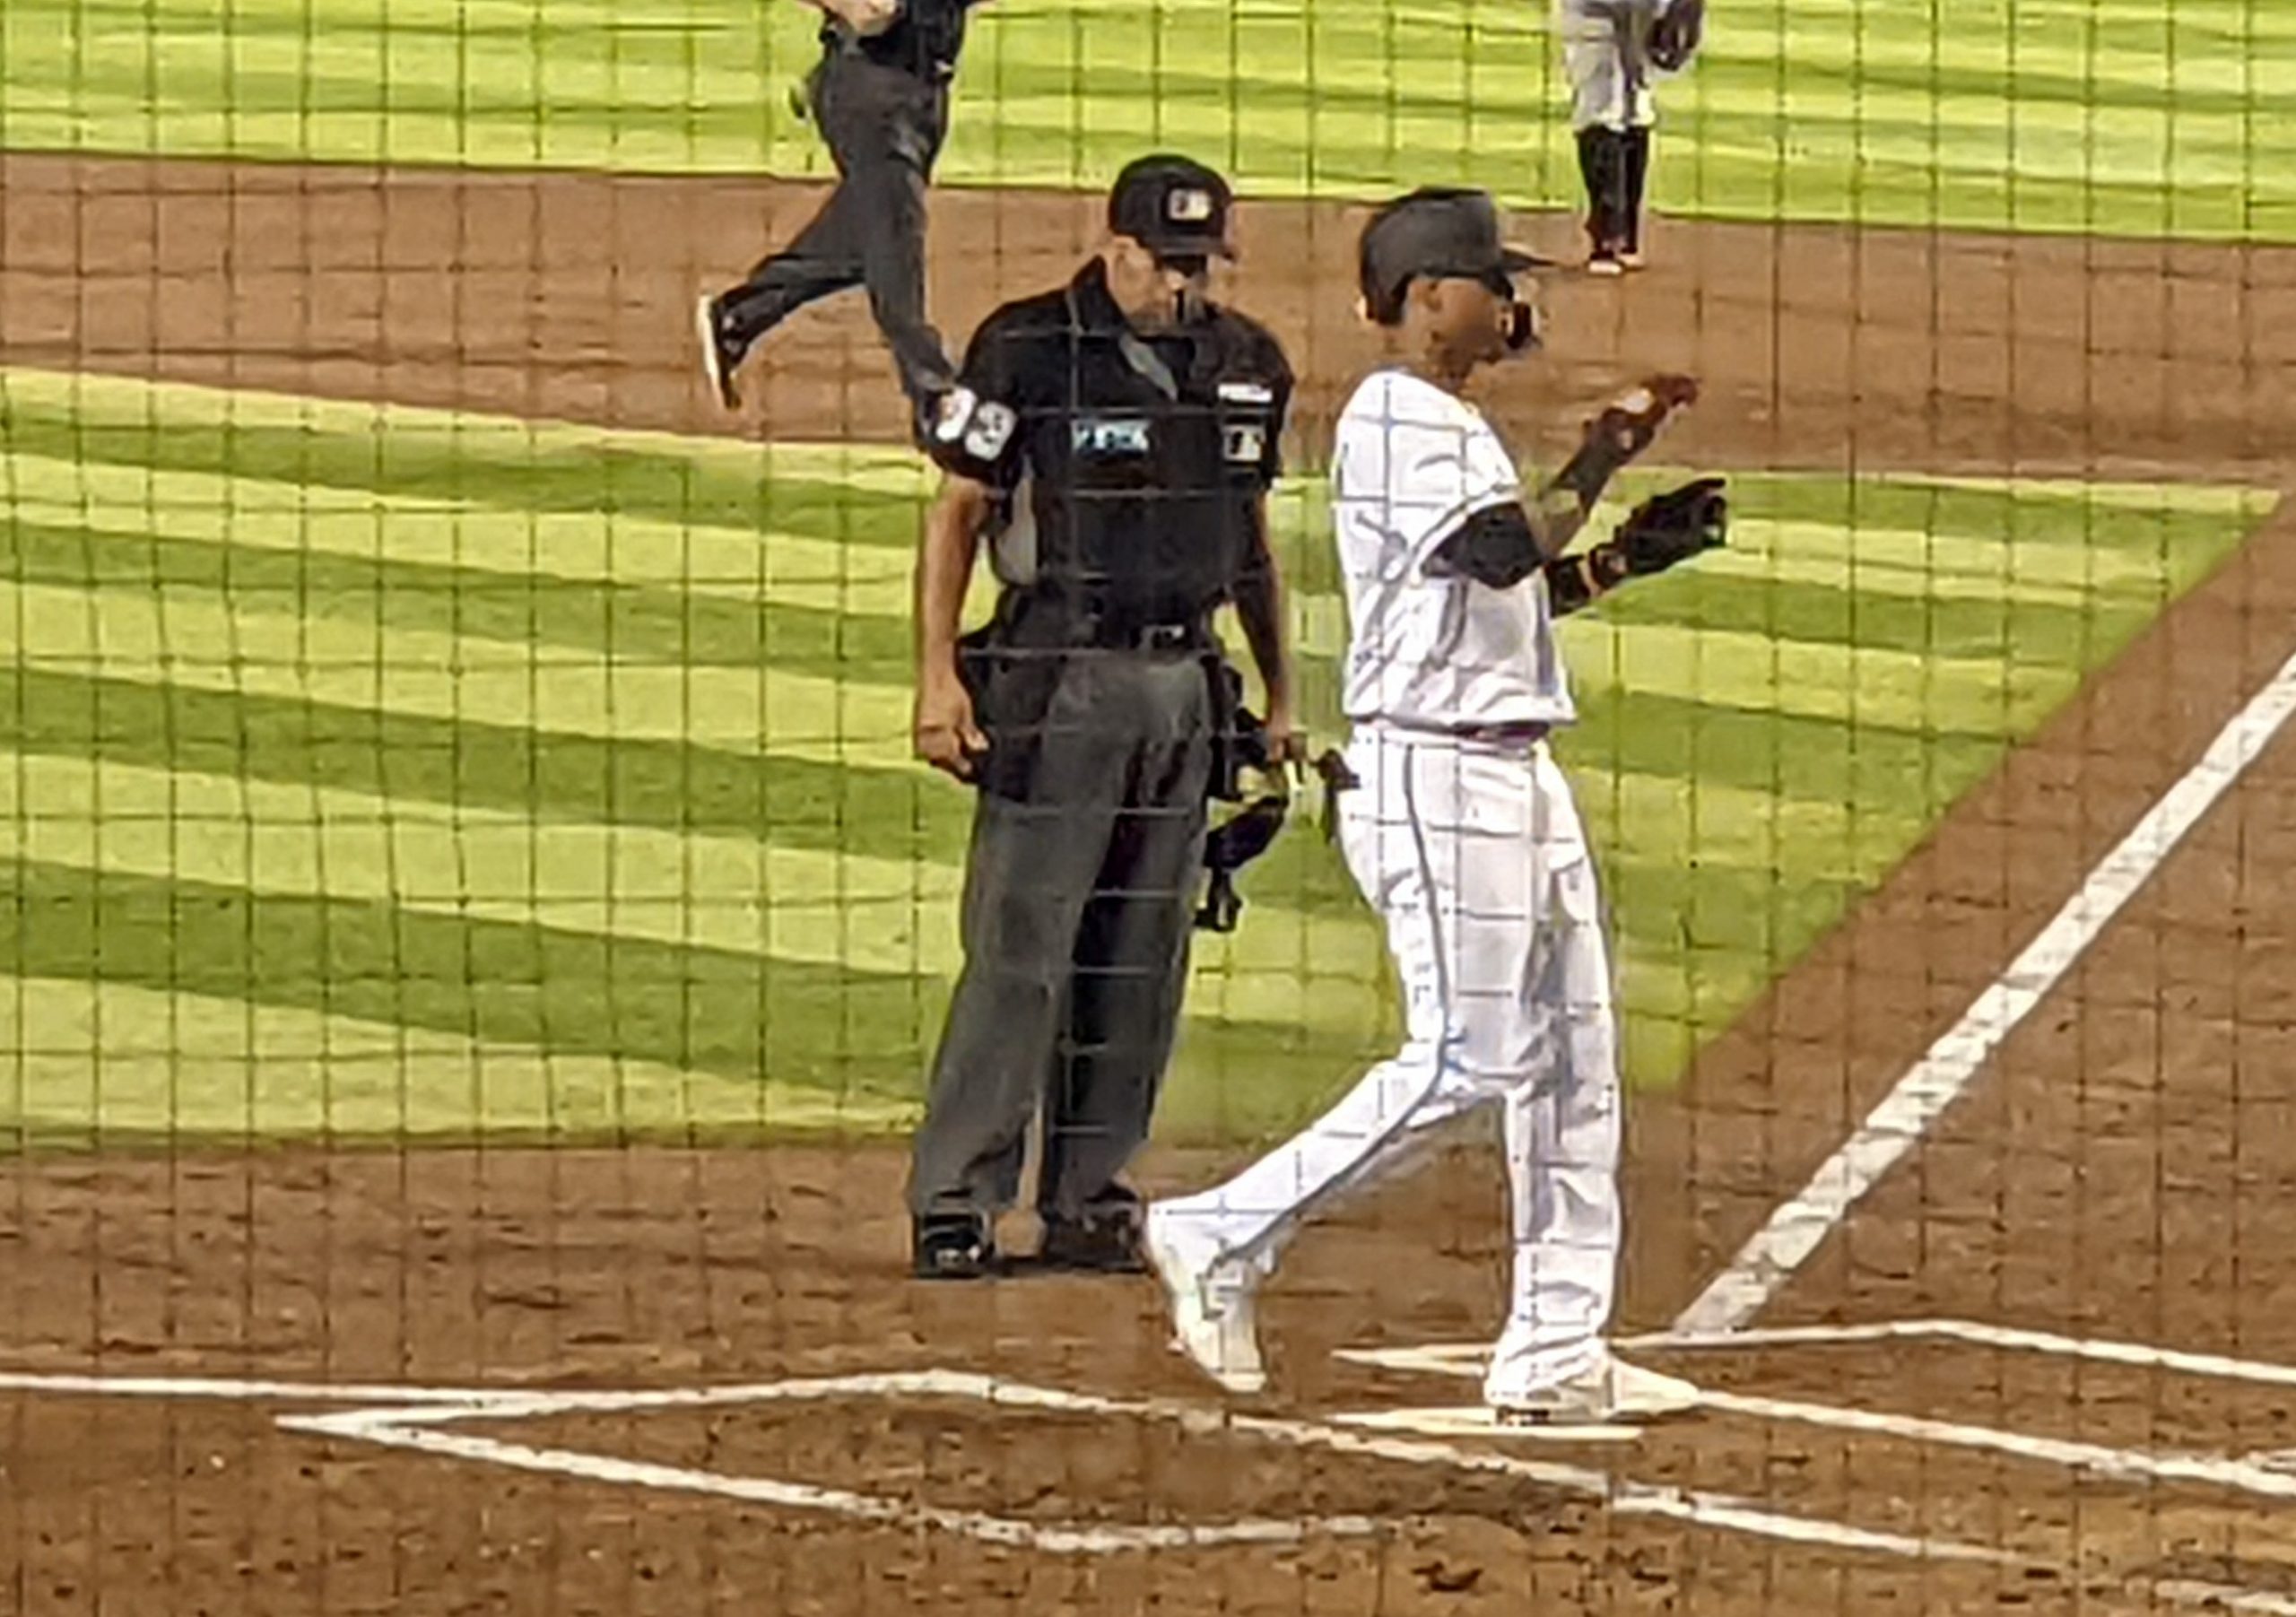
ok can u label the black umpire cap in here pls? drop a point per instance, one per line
(1437, 230)
(1174, 206)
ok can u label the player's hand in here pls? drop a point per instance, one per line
(944, 731)
(1287, 749)
(1630, 422)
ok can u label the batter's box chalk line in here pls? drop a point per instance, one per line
(2262, 1476)
(1480, 1420)
(435, 1422)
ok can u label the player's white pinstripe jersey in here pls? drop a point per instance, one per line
(1427, 649)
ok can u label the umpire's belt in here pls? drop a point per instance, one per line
(1114, 635)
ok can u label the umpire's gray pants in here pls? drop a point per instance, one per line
(1606, 53)
(1075, 923)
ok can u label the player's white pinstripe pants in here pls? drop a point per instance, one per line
(1605, 53)
(1475, 858)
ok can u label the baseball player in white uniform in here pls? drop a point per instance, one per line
(1460, 827)
(1611, 52)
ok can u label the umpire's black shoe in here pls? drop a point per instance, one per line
(1101, 1246)
(952, 1246)
(721, 355)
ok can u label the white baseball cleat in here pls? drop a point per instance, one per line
(1213, 1317)
(1612, 1392)
(716, 363)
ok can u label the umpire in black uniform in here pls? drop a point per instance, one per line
(881, 97)
(1115, 440)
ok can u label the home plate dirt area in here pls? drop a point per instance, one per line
(1974, 1225)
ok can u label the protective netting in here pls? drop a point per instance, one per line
(481, 928)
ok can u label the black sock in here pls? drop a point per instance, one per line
(1637, 174)
(1601, 162)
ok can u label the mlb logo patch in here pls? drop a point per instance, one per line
(1188, 205)
(1245, 443)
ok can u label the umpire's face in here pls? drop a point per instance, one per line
(1156, 292)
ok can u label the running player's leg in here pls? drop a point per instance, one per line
(825, 256)
(884, 128)
(1562, 1131)
(892, 249)
(1434, 838)
(1563, 1147)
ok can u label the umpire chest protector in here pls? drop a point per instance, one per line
(1139, 460)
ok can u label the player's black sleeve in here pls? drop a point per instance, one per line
(977, 431)
(1495, 546)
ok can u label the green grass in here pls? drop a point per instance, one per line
(389, 772)
(2126, 116)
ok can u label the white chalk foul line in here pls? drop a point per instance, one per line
(2124, 1465)
(253, 1391)
(1978, 1333)
(1799, 1227)
(2221, 1596)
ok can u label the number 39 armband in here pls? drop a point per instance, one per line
(973, 427)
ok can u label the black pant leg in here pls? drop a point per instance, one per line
(1132, 955)
(1637, 163)
(1029, 876)
(1598, 158)
(892, 267)
(884, 129)
(823, 258)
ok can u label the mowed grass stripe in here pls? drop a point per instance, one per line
(641, 1042)
(2052, 557)
(723, 895)
(288, 738)
(190, 639)
(608, 620)
(474, 537)
(188, 632)
(157, 637)
(1908, 115)
(903, 814)
(810, 633)
(692, 1010)
(346, 458)
(819, 908)
(396, 569)
(1321, 970)
(1714, 880)
(84, 1062)
(855, 495)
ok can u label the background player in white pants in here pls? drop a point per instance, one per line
(1612, 51)
(1461, 830)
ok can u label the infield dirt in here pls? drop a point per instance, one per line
(2116, 1170)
